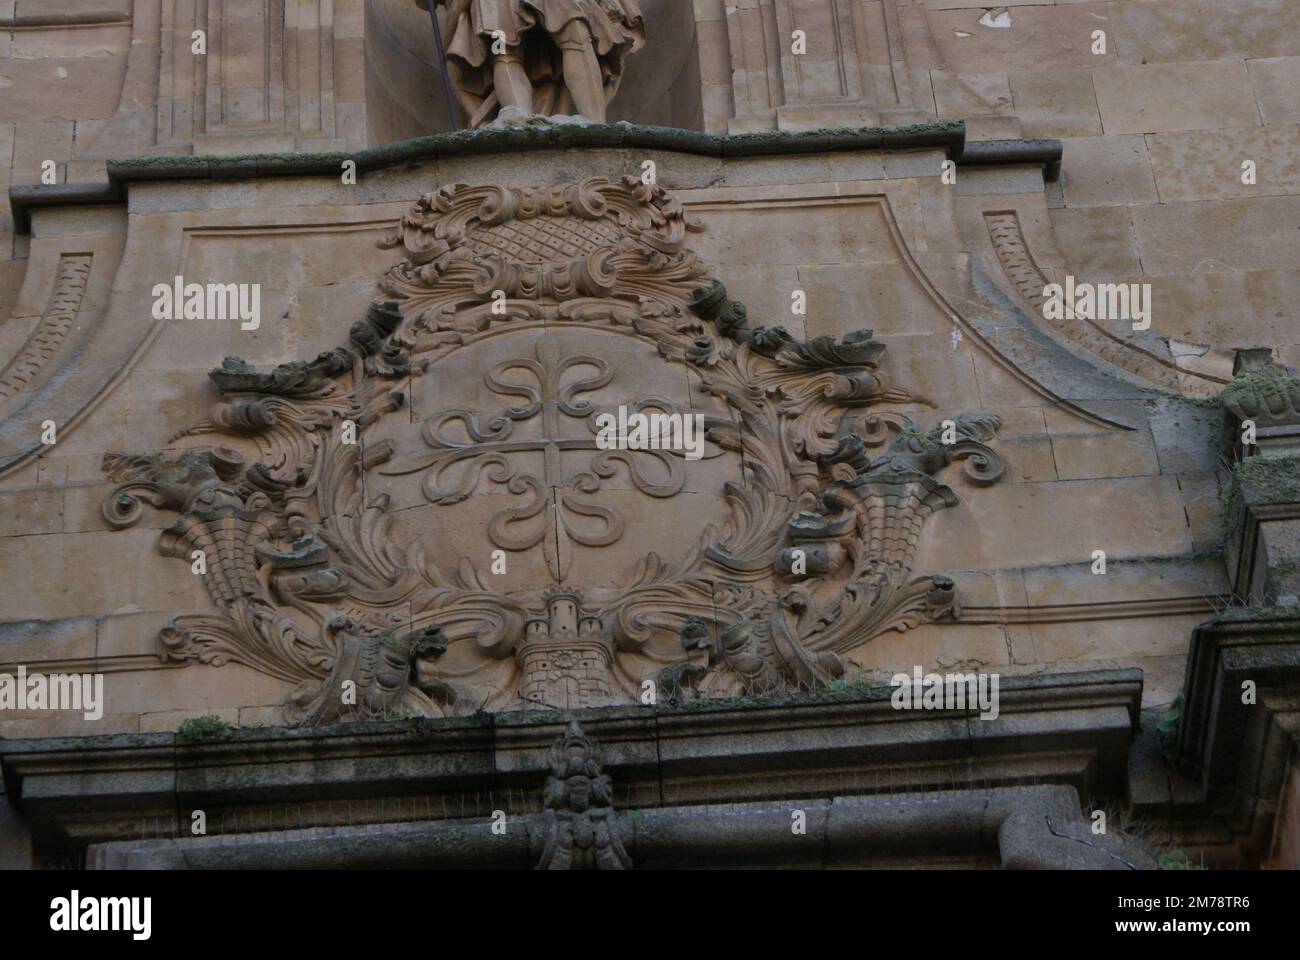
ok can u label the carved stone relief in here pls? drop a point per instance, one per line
(365, 571)
(1028, 279)
(578, 823)
(53, 327)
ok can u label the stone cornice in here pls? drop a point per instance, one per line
(1073, 612)
(947, 135)
(24, 197)
(1072, 729)
(1003, 152)
(1260, 644)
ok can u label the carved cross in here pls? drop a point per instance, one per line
(556, 496)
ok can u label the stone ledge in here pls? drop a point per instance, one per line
(1072, 729)
(1261, 509)
(1245, 643)
(87, 14)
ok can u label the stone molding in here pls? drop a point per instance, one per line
(854, 64)
(85, 14)
(1118, 348)
(1014, 828)
(203, 99)
(52, 329)
(1241, 757)
(983, 153)
(1070, 729)
(947, 135)
(1262, 498)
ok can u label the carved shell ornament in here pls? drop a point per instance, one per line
(422, 520)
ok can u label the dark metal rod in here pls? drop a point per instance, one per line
(442, 64)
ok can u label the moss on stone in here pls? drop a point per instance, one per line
(1209, 403)
(1264, 381)
(1267, 478)
(1177, 860)
(148, 161)
(1153, 396)
(206, 728)
(840, 691)
(1167, 727)
(1228, 504)
(928, 439)
(1260, 614)
(522, 137)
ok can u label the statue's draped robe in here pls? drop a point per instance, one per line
(616, 29)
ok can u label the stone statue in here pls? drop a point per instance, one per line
(522, 58)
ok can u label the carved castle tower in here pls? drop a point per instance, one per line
(566, 656)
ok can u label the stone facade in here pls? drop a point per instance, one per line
(836, 258)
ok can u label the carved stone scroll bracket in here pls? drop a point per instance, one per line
(229, 528)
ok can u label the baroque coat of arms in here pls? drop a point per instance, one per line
(423, 517)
